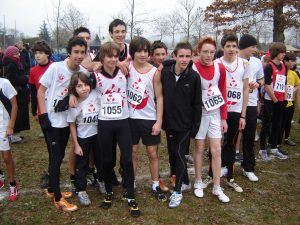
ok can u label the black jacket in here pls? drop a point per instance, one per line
(182, 99)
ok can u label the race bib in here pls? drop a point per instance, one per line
(111, 105)
(234, 92)
(135, 92)
(90, 113)
(212, 98)
(279, 85)
(290, 93)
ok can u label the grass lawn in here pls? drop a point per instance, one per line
(275, 199)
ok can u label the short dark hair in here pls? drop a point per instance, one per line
(107, 49)
(182, 45)
(290, 56)
(80, 30)
(115, 23)
(157, 44)
(276, 48)
(230, 37)
(76, 76)
(75, 41)
(138, 44)
(42, 46)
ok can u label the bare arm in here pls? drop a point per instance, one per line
(13, 116)
(159, 103)
(242, 123)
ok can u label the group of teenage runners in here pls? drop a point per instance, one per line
(131, 91)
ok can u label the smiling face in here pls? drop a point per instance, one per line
(118, 34)
(77, 54)
(183, 57)
(159, 55)
(82, 89)
(141, 56)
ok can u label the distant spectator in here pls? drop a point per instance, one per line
(14, 72)
(24, 57)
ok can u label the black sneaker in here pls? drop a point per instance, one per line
(125, 196)
(159, 194)
(44, 182)
(106, 204)
(134, 209)
(289, 142)
(114, 179)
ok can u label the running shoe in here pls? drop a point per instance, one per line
(264, 155)
(133, 208)
(234, 185)
(289, 142)
(2, 180)
(101, 187)
(15, 139)
(198, 189)
(175, 200)
(65, 206)
(106, 204)
(221, 196)
(13, 193)
(83, 198)
(278, 154)
(64, 194)
(159, 195)
(186, 187)
(163, 185)
(251, 176)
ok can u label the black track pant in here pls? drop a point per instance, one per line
(230, 138)
(48, 143)
(82, 162)
(287, 122)
(177, 146)
(119, 130)
(59, 138)
(248, 162)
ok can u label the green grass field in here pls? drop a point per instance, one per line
(275, 199)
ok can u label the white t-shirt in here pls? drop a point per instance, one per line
(57, 79)
(6, 91)
(236, 72)
(85, 115)
(140, 94)
(256, 73)
(113, 98)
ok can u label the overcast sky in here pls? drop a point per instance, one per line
(29, 14)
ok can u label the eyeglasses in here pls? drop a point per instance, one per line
(206, 52)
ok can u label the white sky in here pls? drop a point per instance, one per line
(29, 14)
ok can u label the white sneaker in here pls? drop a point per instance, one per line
(224, 171)
(221, 196)
(15, 139)
(186, 187)
(207, 181)
(278, 154)
(234, 185)
(101, 187)
(251, 176)
(198, 189)
(175, 200)
(264, 155)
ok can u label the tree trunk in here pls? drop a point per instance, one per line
(278, 21)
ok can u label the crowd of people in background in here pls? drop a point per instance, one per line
(130, 92)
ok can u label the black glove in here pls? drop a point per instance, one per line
(62, 105)
(44, 121)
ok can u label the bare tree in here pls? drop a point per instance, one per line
(55, 30)
(173, 21)
(201, 26)
(161, 25)
(188, 15)
(72, 18)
